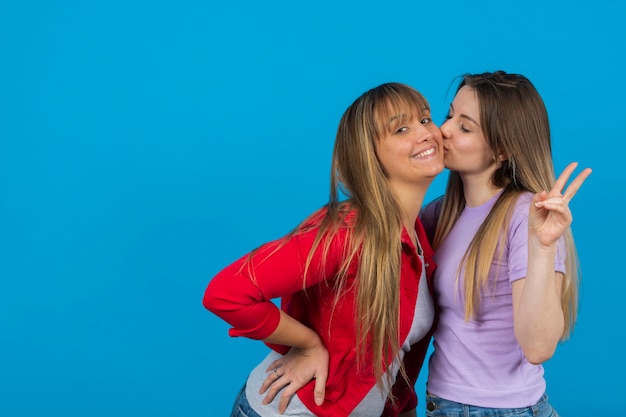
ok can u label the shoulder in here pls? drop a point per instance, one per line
(522, 204)
(431, 210)
(524, 198)
(343, 216)
(518, 214)
(327, 224)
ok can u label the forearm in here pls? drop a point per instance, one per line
(242, 293)
(290, 332)
(539, 320)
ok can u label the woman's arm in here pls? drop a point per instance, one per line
(538, 316)
(306, 360)
(242, 293)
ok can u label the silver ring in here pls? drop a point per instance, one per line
(276, 372)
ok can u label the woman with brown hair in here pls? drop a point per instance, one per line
(507, 277)
(356, 313)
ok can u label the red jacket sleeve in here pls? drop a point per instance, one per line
(242, 293)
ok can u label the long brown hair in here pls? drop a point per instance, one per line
(514, 122)
(357, 174)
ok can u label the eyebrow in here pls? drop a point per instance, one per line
(403, 115)
(396, 117)
(465, 116)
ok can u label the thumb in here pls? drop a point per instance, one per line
(540, 196)
(537, 202)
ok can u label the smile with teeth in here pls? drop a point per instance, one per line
(425, 153)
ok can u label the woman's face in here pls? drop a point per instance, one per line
(465, 147)
(411, 151)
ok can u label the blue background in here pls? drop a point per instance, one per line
(144, 145)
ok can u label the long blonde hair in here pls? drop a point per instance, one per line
(356, 173)
(514, 122)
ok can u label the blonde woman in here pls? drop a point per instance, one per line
(356, 313)
(507, 277)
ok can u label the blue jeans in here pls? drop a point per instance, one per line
(242, 408)
(438, 407)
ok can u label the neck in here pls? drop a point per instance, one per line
(477, 190)
(410, 201)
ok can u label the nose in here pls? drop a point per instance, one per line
(445, 130)
(424, 133)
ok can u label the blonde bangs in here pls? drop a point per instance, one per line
(399, 105)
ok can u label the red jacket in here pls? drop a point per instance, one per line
(243, 299)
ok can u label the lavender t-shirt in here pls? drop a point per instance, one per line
(479, 362)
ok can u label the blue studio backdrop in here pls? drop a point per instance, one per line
(144, 145)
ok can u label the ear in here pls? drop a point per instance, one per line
(502, 156)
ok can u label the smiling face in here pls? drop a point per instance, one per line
(465, 147)
(386, 145)
(410, 148)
